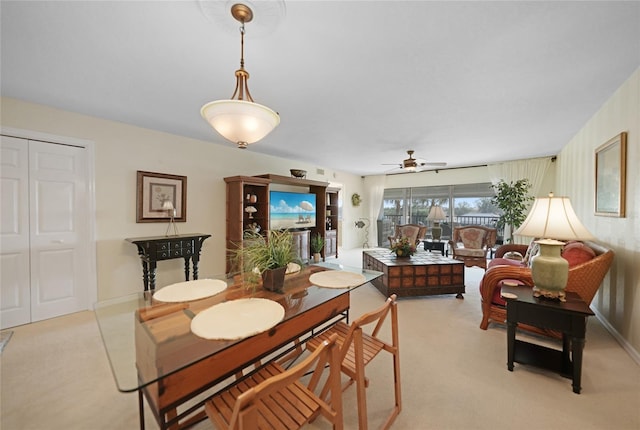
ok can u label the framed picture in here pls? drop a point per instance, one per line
(611, 174)
(154, 191)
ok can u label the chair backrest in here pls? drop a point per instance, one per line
(378, 316)
(245, 412)
(414, 232)
(586, 278)
(475, 236)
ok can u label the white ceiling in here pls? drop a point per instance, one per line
(356, 83)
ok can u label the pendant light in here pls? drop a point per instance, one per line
(240, 119)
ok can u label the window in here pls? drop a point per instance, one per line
(471, 204)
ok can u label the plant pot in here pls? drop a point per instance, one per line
(273, 279)
(316, 257)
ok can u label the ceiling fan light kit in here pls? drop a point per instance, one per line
(412, 165)
(240, 119)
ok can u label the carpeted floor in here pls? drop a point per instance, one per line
(55, 375)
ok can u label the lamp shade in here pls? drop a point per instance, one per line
(240, 121)
(553, 218)
(436, 213)
(167, 205)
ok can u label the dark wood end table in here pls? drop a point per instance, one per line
(568, 317)
(438, 245)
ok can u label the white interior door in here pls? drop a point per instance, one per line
(15, 296)
(52, 236)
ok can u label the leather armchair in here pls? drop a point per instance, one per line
(584, 279)
(414, 232)
(471, 243)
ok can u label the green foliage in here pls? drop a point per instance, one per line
(463, 208)
(486, 206)
(512, 198)
(317, 243)
(262, 253)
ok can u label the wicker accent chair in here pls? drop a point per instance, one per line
(412, 231)
(471, 243)
(584, 279)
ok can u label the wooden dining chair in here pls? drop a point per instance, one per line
(275, 398)
(358, 348)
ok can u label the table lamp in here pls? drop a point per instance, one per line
(167, 205)
(551, 219)
(436, 214)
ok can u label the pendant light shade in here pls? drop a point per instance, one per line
(240, 119)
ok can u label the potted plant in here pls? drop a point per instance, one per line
(268, 256)
(317, 244)
(512, 199)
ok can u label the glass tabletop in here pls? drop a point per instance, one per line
(167, 339)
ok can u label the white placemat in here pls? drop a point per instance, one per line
(292, 268)
(190, 290)
(337, 279)
(237, 319)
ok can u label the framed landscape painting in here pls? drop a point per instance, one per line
(153, 190)
(611, 175)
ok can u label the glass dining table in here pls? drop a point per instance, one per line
(152, 350)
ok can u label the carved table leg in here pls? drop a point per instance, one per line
(145, 275)
(152, 275)
(186, 269)
(195, 259)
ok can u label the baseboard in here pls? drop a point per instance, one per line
(635, 355)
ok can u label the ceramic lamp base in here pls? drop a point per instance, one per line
(436, 231)
(551, 295)
(549, 270)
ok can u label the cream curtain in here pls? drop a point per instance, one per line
(375, 192)
(532, 169)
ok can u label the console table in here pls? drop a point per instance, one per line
(569, 317)
(157, 248)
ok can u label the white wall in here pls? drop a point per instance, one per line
(121, 150)
(618, 300)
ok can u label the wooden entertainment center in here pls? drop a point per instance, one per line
(253, 192)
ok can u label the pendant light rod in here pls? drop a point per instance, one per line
(240, 119)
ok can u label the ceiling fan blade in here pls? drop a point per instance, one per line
(434, 164)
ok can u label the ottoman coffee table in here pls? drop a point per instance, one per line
(422, 274)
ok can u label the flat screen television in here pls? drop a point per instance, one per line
(290, 211)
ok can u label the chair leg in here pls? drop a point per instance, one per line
(360, 382)
(398, 392)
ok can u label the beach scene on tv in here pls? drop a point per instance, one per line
(292, 210)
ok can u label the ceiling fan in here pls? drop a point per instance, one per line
(415, 164)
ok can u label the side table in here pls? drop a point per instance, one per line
(157, 248)
(439, 245)
(568, 317)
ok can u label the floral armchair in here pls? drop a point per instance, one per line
(471, 243)
(414, 232)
